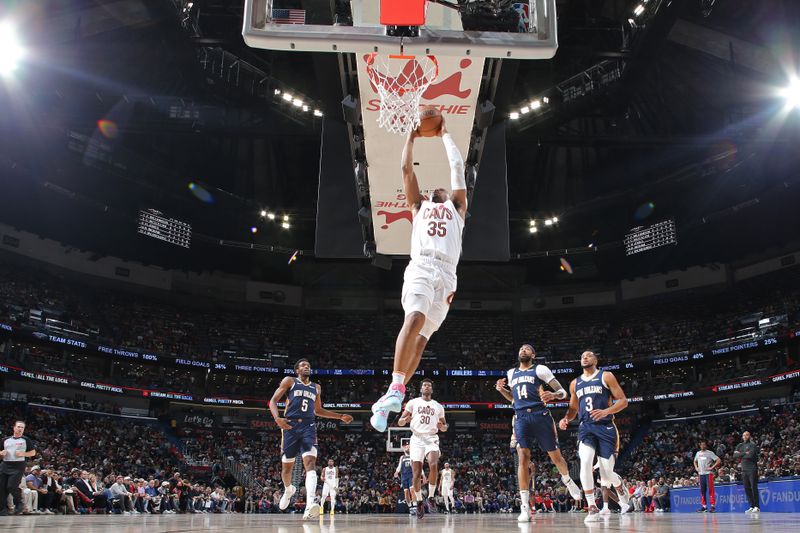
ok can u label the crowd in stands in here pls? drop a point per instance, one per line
(178, 326)
(668, 450)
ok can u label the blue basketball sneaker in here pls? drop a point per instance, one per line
(391, 402)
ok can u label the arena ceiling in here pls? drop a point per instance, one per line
(691, 130)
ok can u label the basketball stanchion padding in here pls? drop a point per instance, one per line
(403, 12)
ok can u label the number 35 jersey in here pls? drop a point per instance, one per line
(592, 394)
(526, 384)
(436, 230)
(300, 400)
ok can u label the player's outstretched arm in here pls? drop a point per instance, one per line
(403, 420)
(280, 392)
(546, 375)
(572, 410)
(458, 182)
(324, 413)
(410, 184)
(617, 394)
(500, 386)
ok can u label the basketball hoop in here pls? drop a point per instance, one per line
(400, 80)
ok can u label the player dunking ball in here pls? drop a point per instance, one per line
(533, 421)
(331, 476)
(405, 472)
(592, 395)
(427, 420)
(299, 431)
(448, 479)
(429, 282)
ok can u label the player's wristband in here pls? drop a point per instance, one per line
(561, 394)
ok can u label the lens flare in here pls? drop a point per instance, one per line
(200, 193)
(565, 266)
(644, 211)
(108, 128)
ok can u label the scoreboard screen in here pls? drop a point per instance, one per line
(154, 224)
(642, 239)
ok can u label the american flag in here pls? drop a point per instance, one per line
(289, 16)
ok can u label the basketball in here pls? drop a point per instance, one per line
(430, 121)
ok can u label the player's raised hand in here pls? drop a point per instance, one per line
(412, 134)
(598, 414)
(442, 426)
(404, 419)
(346, 419)
(442, 128)
(500, 384)
(282, 423)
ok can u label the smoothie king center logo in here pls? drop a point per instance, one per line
(449, 86)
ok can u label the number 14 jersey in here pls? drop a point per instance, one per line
(526, 384)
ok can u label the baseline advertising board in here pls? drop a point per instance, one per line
(778, 496)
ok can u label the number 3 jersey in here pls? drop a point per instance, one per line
(592, 394)
(300, 400)
(526, 384)
(425, 416)
(437, 229)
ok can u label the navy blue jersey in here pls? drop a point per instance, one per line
(300, 400)
(592, 394)
(526, 384)
(405, 466)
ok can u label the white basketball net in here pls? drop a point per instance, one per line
(401, 81)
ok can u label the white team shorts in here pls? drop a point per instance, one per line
(447, 490)
(421, 446)
(428, 288)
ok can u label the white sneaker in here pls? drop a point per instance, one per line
(312, 511)
(749, 511)
(391, 402)
(605, 511)
(593, 516)
(126, 512)
(525, 515)
(623, 509)
(574, 490)
(756, 510)
(286, 497)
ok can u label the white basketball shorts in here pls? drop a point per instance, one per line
(428, 288)
(421, 446)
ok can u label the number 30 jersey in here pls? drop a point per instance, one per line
(592, 394)
(300, 400)
(437, 230)
(425, 416)
(526, 384)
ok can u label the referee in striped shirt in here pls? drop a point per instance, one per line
(16, 449)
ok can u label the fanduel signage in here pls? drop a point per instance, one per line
(779, 496)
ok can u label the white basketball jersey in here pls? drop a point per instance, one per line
(425, 416)
(330, 475)
(447, 477)
(437, 228)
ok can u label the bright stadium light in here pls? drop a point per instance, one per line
(792, 93)
(288, 97)
(10, 49)
(639, 10)
(536, 104)
(548, 222)
(513, 115)
(533, 229)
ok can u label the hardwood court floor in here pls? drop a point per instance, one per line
(561, 523)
